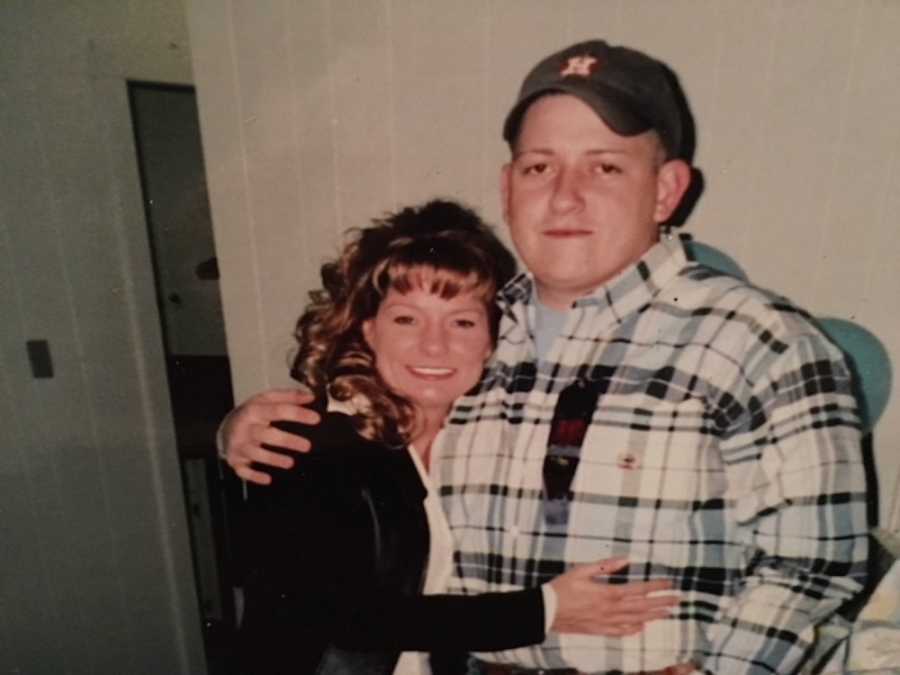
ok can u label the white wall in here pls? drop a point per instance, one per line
(94, 558)
(319, 114)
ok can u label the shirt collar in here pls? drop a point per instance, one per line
(633, 288)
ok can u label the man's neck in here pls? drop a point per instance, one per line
(561, 299)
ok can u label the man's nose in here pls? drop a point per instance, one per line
(566, 191)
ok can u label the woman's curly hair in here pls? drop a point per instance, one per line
(441, 247)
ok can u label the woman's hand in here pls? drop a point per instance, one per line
(246, 428)
(586, 603)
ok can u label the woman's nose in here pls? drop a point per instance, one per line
(434, 340)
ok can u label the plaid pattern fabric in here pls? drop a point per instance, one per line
(720, 449)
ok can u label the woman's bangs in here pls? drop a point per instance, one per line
(443, 282)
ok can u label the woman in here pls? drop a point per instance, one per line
(350, 545)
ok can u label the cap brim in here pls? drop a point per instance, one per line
(610, 105)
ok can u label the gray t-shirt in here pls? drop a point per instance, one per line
(548, 323)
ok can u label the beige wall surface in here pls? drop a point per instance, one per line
(95, 568)
(318, 115)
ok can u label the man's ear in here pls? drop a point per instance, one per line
(505, 176)
(672, 182)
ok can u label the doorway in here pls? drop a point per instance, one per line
(173, 181)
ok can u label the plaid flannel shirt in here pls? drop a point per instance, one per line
(698, 426)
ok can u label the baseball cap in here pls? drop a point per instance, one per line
(630, 91)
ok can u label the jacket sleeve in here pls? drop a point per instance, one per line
(801, 510)
(305, 555)
(295, 584)
(485, 622)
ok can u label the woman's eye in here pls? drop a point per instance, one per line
(465, 323)
(607, 168)
(404, 320)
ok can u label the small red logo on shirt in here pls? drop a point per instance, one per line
(568, 432)
(581, 66)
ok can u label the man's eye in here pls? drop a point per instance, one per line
(607, 168)
(465, 323)
(404, 320)
(536, 169)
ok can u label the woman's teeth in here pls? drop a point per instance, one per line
(431, 372)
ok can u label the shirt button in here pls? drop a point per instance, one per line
(627, 460)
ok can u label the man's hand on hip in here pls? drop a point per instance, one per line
(588, 604)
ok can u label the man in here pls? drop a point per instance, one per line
(638, 405)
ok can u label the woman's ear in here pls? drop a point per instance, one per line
(367, 330)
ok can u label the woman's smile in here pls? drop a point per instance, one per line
(431, 372)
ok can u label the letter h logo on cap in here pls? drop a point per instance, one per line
(581, 66)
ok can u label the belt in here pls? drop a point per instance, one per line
(505, 669)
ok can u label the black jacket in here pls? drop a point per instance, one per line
(337, 552)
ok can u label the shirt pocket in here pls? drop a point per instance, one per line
(649, 472)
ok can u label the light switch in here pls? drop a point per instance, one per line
(39, 357)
